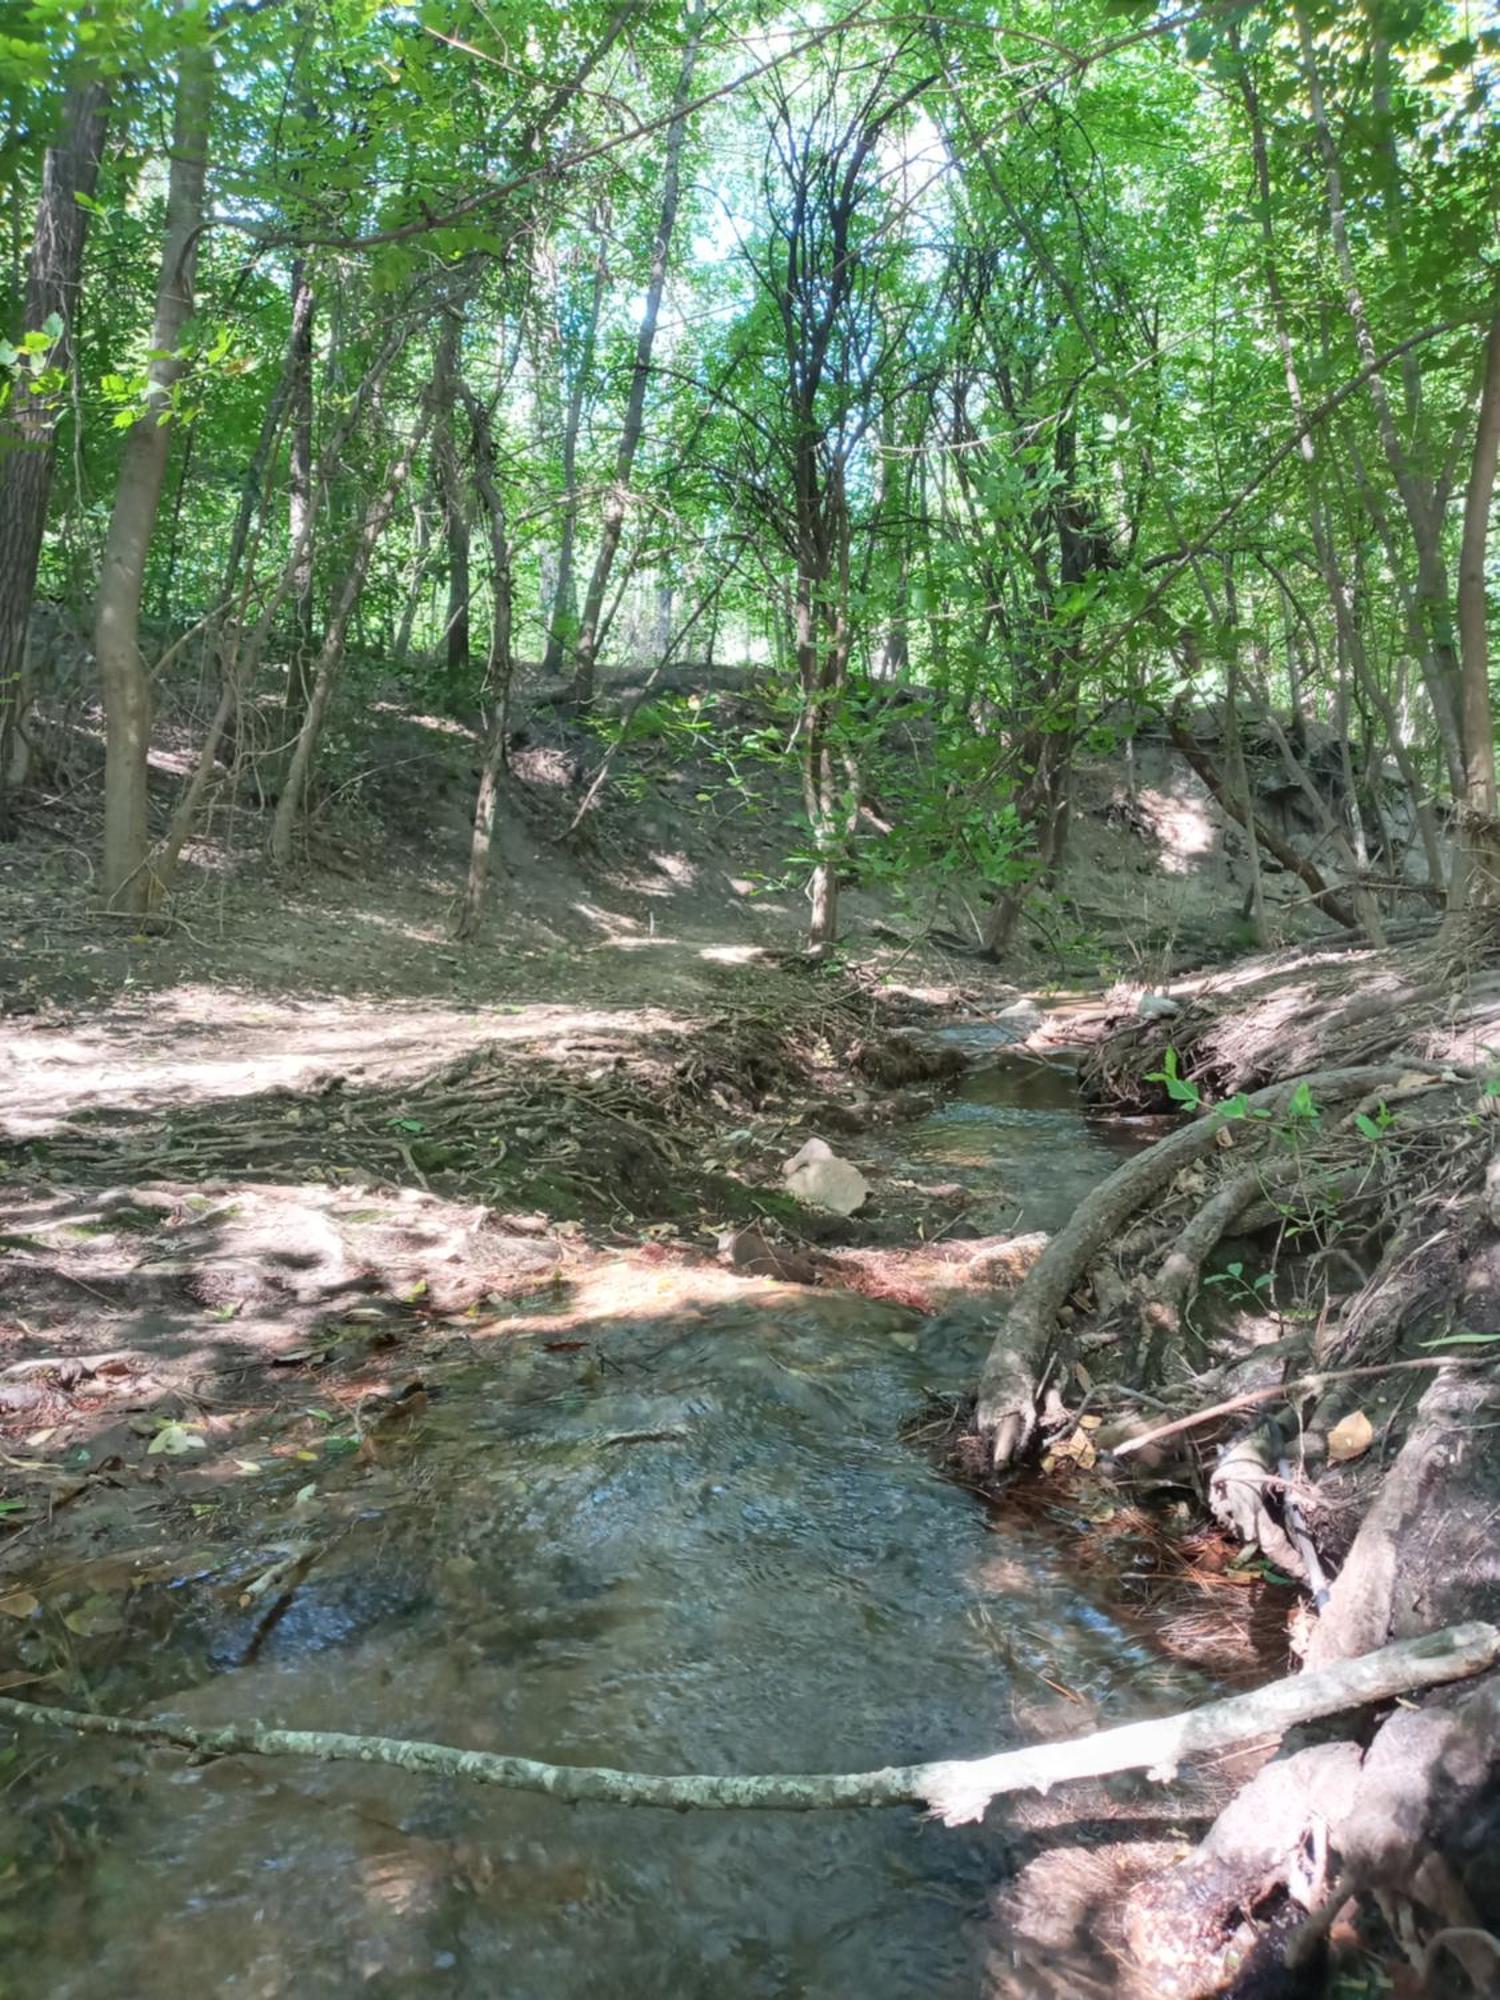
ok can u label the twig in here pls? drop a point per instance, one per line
(955, 1792)
(1252, 1397)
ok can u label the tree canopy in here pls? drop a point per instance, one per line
(1070, 365)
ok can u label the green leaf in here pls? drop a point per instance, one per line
(1301, 1104)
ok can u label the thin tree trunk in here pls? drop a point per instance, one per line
(242, 659)
(416, 589)
(451, 496)
(1477, 882)
(586, 654)
(562, 624)
(1364, 902)
(1425, 520)
(1327, 899)
(127, 695)
(70, 169)
(1239, 779)
(1345, 618)
(299, 496)
(498, 672)
(330, 658)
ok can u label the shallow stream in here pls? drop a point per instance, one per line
(697, 1542)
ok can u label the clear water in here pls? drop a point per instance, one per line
(1020, 1144)
(773, 1581)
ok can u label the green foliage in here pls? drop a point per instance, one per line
(973, 329)
(1181, 1089)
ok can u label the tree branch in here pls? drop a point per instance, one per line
(955, 1792)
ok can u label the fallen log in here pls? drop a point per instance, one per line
(954, 1791)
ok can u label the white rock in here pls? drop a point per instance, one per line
(1157, 1007)
(820, 1179)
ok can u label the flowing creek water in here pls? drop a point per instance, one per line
(697, 1541)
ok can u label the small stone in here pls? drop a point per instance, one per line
(750, 1251)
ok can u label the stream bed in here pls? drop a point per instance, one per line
(693, 1541)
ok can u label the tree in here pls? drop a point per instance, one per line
(54, 270)
(127, 695)
(617, 499)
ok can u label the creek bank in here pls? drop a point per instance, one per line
(1312, 1254)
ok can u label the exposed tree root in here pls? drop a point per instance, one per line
(1172, 1290)
(1010, 1382)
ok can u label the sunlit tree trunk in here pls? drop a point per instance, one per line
(1346, 621)
(586, 652)
(70, 169)
(498, 673)
(242, 655)
(299, 495)
(127, 695)
(562, 624)
(416, 588)
(1424, 518)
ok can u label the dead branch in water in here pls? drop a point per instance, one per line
(1313, 1383)
(955, 1791)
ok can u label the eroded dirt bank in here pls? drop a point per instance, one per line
(1300, 1284)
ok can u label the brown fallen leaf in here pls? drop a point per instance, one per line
(20, 1604)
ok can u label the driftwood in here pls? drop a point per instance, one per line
(955, 1792)
(1006, 1412)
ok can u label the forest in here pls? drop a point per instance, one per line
(750, 998)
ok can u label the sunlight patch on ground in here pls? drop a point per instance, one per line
(611, 922)
(732, 954)
(198, 1043)
(441, 725)
(1253, 970)
(637, 1288)
(640, 941)
(413, 933)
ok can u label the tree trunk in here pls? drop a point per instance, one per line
(127, 695)
(586, 654)
(416, 589)
(299, 496)
(70, 168)
(330, 658)
(451, 497)
(223, 629)
(498, 674)
(563, 622)
(241, 657)
(1477, 879)
(1239, 779)
(1441, 666)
